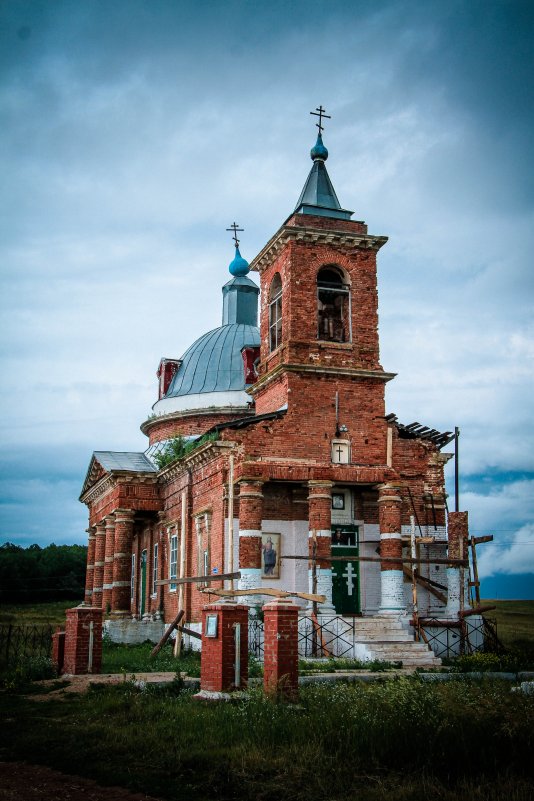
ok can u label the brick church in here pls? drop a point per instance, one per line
(282, 448)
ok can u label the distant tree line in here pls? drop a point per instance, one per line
(31, 574)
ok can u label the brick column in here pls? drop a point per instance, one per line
(391, 576)
(83, 640)
(90, 569)
(58, 649)
(218, 656)
(280, 666)
(250, 517)
(108, 563)
(98, 573)
(320, 530)
(122, 562)
(458, 534)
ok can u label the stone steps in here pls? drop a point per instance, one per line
(389, 641)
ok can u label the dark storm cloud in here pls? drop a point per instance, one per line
(133, 132)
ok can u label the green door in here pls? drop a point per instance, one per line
(143, 585)
(345, 575)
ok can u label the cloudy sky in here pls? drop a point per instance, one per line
(133, 132)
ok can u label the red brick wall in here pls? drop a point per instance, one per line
(78, 637)
(188, 425)
(280, 666)
(217, 672)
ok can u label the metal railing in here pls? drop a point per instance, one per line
(334, 636)
(18, 642)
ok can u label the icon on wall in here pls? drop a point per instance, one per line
(270, 555)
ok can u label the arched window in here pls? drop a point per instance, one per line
(275, 313)
(333, 306)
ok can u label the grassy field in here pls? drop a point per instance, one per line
(401, 739)
(395, 740)
(36, 614)
(515, 622)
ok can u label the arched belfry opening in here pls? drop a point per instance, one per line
(333, 305)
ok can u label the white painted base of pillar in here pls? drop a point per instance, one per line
(324, 587)
(392, 602)
(250, 580)
(453, 592)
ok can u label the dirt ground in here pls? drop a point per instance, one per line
(80, 684)
(21, 782)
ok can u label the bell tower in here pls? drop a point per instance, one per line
(319, 314)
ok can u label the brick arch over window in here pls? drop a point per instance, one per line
(333, 304)
(275, 312)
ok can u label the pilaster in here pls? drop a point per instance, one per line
(122, 560)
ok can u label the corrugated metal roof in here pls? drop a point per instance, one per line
(214, 363)
(121, 460)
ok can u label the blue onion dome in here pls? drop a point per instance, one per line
(319, 151)
(239, 266)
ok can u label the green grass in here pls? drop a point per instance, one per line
(52, 613)
(332, 665)
(515, 622)
(118, 658)
(401, 739)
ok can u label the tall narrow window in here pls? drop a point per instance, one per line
(275, 313)
(132, 580)
(333, 306)
(173, 561)
(155, 569)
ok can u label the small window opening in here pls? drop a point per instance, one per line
(333, 306)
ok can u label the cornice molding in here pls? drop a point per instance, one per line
(313, 236)
(198, 457)
(350, 372)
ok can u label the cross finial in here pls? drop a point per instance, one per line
(235, 228)
(320, 112)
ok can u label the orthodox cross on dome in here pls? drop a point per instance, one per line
(320, 112)
(235, 228)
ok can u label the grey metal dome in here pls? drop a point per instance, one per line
(214, 362)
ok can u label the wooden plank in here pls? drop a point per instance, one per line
(477, 610)
(191, 633)
(317, 627)
(200, 579)
(480, 540)
(168, 633)
(406, 559)
(420, 540)
(306, 596)
(424, 582)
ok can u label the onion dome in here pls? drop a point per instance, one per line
(239, 266)
(319, 151)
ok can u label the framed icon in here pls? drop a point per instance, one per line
(338, 500)
(270, 556)
(211, 625)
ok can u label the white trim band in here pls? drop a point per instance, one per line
(250, 532)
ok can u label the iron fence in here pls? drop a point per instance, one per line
(460, 637)
(18, 642)
(331, 637)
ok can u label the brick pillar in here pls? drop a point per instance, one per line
(217, 665)
(58, 649)
(391, 576)
(250, 517)
(122, 562)
(90, 569)
(457, 577)
(98, 573)
(280, 666)
(83, 640)
(108, 563)
(320, 531)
